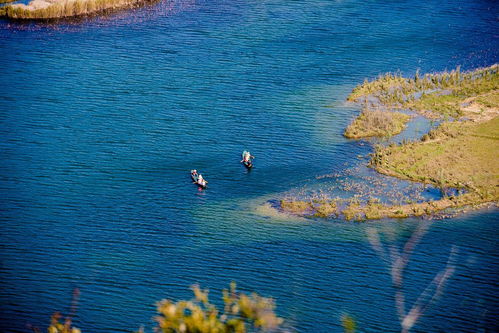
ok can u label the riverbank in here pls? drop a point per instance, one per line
(462, 153)
(53, 9)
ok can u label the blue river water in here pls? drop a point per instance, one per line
(102, 118)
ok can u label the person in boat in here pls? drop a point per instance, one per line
(201, 180)
(194, 175)
(247, 157)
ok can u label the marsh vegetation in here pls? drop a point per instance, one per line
(51, 9)
(434, 95)
(462, 153)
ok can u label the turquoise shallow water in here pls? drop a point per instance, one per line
(101, 120)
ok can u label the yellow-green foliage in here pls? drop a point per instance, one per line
(326, 209)
(348, 323)
(353, 211)
(66, 8)
(457, 154)
(376, 123)
(445, 105)
(57, 327)
(317, 208)
(438, 93)
(241, 313)
(373, 209)
(386, 82)
(296, 206)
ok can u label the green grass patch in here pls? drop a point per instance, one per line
(461, 155)
(444, 105)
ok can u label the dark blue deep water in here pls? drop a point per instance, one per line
(101, 120)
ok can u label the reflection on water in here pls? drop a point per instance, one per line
(397, 260)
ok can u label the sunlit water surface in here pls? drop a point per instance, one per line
(102, 118)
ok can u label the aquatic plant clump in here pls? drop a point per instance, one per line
(50, 9)
(316, 207)
(376, 123)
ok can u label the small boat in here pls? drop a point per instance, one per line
(195, 179)
(249, 163)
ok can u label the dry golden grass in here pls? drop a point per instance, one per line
(353, 211)
(376, 123)
(296, 206)
(326, 209)
(490, 100)
(51, 9)
(318, 208)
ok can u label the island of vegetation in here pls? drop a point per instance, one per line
(52, 9)
(376, 123)
(461, 153)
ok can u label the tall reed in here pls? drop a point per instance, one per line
(65, 8)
